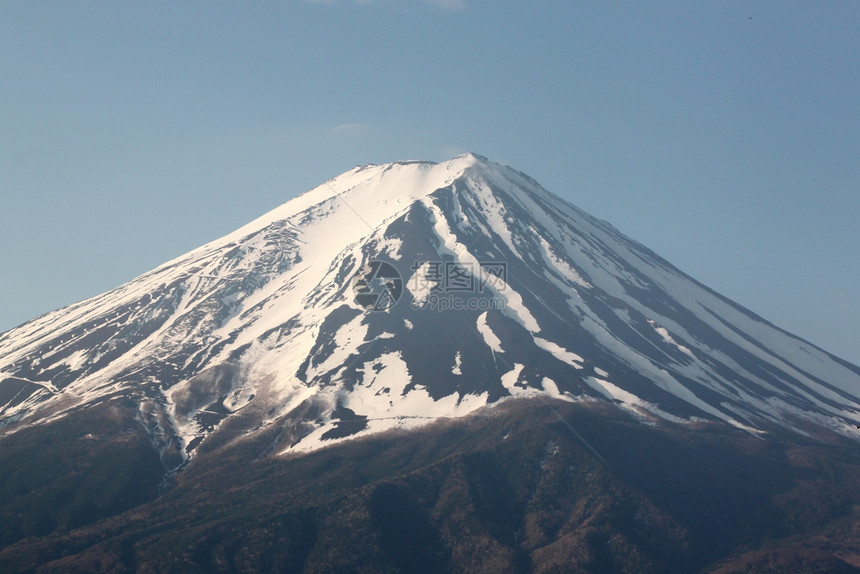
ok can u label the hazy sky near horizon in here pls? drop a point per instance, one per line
(725, 136)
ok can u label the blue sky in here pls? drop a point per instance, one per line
(724, 135)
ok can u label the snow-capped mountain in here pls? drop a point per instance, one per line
(396, 294)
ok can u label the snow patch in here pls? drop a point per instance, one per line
(384, 395)
(559, 352)
(551, 389)
(486, 332)
(458, 360)
(509, 379)
(630, 401)
(346, 339)
(664, 334)
(390, 246)
(420, 286)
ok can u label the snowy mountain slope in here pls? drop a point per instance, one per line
(493, 287)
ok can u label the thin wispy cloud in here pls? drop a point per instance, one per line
(453, 151)
(447, 5)
(451, 5)
(349, 128)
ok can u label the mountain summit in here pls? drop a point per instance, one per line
(397, 294)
